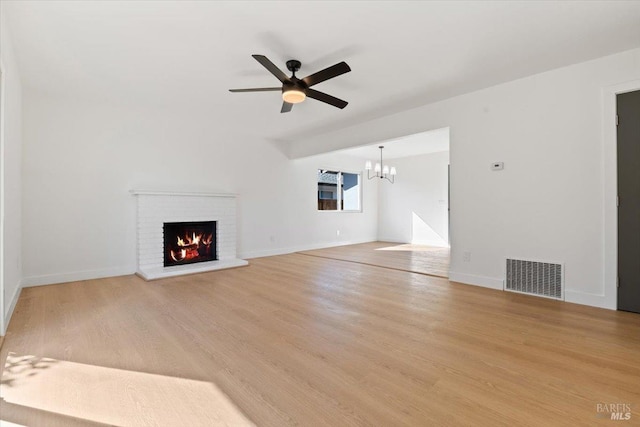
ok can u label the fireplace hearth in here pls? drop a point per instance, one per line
(189, 242)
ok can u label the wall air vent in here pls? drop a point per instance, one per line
(543, 279)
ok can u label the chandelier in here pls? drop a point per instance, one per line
(381, 170)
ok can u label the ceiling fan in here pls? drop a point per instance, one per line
(295, 90)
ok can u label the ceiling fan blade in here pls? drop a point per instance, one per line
(257, 89)
(272, 68)
(331, 100)
(326, 74)
(286, 107)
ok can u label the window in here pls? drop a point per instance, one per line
(339, 191)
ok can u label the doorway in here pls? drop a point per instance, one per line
(628, 154)
(413, 215)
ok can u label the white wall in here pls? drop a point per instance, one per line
(414, 208)
(548, 203)
(10, 177)
(81, 158)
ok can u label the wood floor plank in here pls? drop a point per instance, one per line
(430, 260)
(307, 340)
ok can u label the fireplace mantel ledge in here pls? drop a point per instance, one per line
(179, 193)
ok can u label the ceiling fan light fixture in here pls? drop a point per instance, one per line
(293, 96)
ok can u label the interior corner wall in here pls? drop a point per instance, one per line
(82, 157)
(11, 178)
(414, 208)
(548, 204)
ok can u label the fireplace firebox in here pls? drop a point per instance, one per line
(189, 242)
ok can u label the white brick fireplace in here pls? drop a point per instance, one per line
(154, 208)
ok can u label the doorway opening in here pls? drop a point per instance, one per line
(413, 209)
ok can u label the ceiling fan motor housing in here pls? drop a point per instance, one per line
(294, 83)
(293, 65)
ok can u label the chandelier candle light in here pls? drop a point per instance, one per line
(381, 170)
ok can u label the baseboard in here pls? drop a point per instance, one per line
(470, 279)
(391, 240)
(436, 243)
(593, 300)
(12, 306)
(264, 253)
(52, 279)
(292, 249)
(576, 297)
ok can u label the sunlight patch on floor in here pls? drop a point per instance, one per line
(114, 396)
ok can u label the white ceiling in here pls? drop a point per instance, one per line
(433, 141)
(403, 54)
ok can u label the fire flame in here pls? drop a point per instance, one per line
(178, 258)
(189, 246)
(195, 239)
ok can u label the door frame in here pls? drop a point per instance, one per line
(609, 298)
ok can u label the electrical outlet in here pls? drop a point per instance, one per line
(337, 232)
(272, 239)
(466, 256)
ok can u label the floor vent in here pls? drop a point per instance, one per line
(536, 278)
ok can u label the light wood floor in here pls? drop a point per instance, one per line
(430, 260)
(303, 340)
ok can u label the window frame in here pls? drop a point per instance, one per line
(341, 171)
